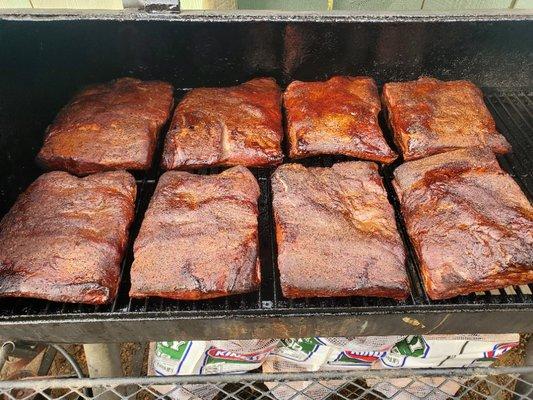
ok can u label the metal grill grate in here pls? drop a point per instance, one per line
(514, 116)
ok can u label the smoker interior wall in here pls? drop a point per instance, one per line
(43, 62)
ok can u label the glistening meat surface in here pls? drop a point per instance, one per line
(109, 126)
(238, 125)
(65, 237)
(429, 116)
(470, 224)
(338, 116)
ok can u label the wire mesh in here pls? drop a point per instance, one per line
(431, 384)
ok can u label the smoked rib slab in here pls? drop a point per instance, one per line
(469, 222)
(429, 116)
(336, 232)
(199, 237)
(238, 125)
(110, 126)
(337, 117)
(65, 237)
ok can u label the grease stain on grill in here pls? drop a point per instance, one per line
(413, 322)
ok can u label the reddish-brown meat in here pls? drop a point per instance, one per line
(109, 126)
(429, 116)
(470, 224)
(338, 116)
(336, 233)
(239, 125)
(64, 238)
(198, 239)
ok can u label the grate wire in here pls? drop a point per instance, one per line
(513, 113)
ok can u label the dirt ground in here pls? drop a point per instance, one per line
(128, 351)
(515, 357)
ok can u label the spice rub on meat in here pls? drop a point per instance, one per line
(429, 116)
(469, 222)
(65, 237)
(199, 237)
(336, 232)
(238, 125)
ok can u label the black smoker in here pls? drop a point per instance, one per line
(44, 59)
